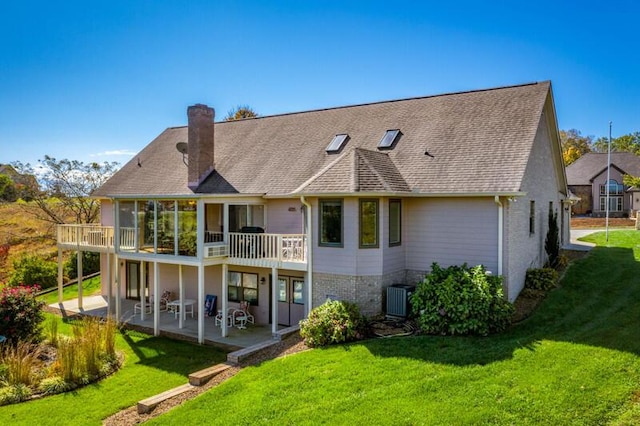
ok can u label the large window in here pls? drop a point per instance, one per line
(368, 223)
(243, 286)
(615, 188)
(395, 222)
(331, 223)
(615, 203)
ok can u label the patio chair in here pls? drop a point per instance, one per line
(167, 296)
(229, 317)
(148, 308)
(244, 307)
(210, 303)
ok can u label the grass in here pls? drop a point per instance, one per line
(575, 361)
(90, 287)
(152, 365)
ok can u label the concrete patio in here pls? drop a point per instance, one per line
(169, 324)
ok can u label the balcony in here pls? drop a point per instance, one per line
(87, 237)
(265, 250)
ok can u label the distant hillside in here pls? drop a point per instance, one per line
(25, 234)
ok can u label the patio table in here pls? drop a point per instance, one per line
(174, 306)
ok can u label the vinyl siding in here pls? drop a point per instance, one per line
(282, 221)
(451, 232)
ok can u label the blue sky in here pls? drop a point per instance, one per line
(97, 81)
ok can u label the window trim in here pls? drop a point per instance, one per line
(376, 244)
(321, 202)
(397, 201)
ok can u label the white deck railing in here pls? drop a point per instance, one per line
(86, 235)
(274, 247)
(278, 247)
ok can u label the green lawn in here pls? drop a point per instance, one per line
(575, 361)
(152, 365)
(90, 287)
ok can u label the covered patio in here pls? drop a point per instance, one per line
(169, 324)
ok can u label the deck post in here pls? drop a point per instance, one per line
(80, 296)
(118, 292)
(200, 304)
(181, 297)
(156, 300)
(143, 291)
(225, 298)
(274, 299)
(60, 273)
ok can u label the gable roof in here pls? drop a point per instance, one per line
(586, 168)
(478, 142)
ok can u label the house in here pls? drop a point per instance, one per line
(587, 178)
(285, 211)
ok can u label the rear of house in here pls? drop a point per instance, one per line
(285, 211)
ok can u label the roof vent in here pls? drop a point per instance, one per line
(389, 139)
(337, 143)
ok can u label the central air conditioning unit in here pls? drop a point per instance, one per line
(398, 296)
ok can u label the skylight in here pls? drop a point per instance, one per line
(337, 142)
(389, 138)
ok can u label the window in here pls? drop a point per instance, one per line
(368, 223)
(337, 143)
(615, 188)
(395, 222)
(615, 203)
(331, 223)
(243, 286)
(389, 139)
(532, 217)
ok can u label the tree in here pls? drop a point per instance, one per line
(631, 181)
(8, 191)
(66, 187)
(574, 145)
(240, 112)
(624, 143)
(552, 241)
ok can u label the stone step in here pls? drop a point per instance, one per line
(147, 405)
(234, 358)
(201, 377)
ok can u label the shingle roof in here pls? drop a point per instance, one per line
(479, 141)
(585, 168)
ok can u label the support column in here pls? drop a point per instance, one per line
(60, 275)
(156, 300)
(200, 304)
(109, 285)
(274, 300)
(80, 296)
(143, 291)
(225, 298)
(181, 297)
(118, 290)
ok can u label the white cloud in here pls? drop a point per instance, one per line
(116, 152)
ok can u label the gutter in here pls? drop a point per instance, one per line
(309, 253)
(500, 231)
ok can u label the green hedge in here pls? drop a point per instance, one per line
(541, 279)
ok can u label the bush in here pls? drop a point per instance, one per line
(14, 393)
(333, 322)
(461, 300)
(552, 241)
(90, 264)
(541, 279)
(20, 361)
(53, 385)
(30, 270)
(20, 313)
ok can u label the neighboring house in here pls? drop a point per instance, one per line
(287, 210)
(587, 178)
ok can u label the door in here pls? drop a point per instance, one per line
(290, 300)
(133, 280)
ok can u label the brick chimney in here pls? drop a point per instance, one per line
(200, 141)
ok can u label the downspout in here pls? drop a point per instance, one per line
(500, 231)
(309, 254)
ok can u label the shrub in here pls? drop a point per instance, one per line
(552, 241)
(90, 264)
(20, 361)
(541, 279)
(334, 321)
(53, 385)
(14, 393)
(461, 300)
(20, 313)
(32, 269)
